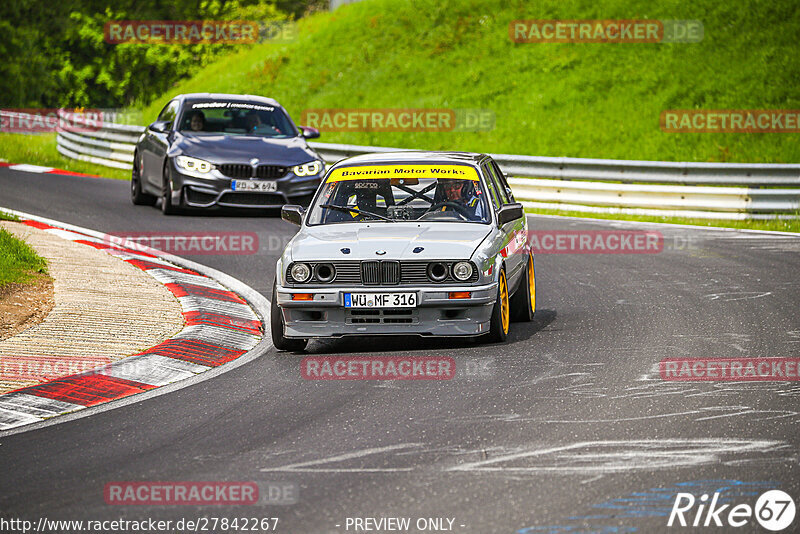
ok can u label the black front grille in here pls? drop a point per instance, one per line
(270, 171)
(381, 317)
(390, 272)
(370, 273)
(240, 170)
(251, 199)
(235, 170)
(416, 272)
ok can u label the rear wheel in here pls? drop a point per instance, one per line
(276, 323)
(167, 207)
(501, 314)
(523, 303)
(139, 197)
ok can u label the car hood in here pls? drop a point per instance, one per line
(438, 241)
(242, 148)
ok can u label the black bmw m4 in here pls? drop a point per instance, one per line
(214, 150)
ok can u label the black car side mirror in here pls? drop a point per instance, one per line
(509, 212)
(309, 132)
(293, 214)
(160, 126)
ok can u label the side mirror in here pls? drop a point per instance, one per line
(293, 214)
(160, 126)
(510, 212)
(308, 132)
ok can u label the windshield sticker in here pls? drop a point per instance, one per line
(458, 172)
(236, 105)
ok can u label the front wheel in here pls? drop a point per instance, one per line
(523, 303)
(139, 197)
(501, 313)
(167, 207)
(277, 326)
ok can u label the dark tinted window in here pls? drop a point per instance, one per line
(236, 118)
(169, 112)
(490, 183)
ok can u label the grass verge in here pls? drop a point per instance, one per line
(19, 263)
(41, 150)
(778, 225)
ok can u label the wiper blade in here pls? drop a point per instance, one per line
(355, 210)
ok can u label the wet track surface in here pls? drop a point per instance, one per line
(567, 424)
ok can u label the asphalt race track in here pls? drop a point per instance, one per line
(567, 424)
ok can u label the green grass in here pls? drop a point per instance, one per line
(41, 150)
(577, 99)
(782, 225)
(19, 263)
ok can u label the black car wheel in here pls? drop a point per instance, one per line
(501, 313)
(167, 207)
(523, 302)
(139, 197)
(276, 323)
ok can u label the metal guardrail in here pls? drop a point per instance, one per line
(676, 189)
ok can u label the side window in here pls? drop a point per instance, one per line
(169, 112)
(500, 183)
(491, 186)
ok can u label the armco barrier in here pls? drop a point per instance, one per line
(677, 189)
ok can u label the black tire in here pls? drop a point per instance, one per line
(138, 197)
(501, 313)
(276, 324)
(167, 207)
(523, 302)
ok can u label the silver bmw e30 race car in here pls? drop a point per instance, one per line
(425, 243)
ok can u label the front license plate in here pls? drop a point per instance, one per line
(380, 300)
(268, 186)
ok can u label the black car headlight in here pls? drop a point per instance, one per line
(194, 164)
(312, 168)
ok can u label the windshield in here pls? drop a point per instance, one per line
(394, 192)
(236, 118)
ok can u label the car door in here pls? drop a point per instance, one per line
(514, 232)
(154, 148)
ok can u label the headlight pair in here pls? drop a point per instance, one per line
(194, 164)
(323, 272)
(311, 168)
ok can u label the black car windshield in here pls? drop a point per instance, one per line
(235, 118)
(401, 192)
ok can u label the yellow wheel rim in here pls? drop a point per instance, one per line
(532, 283)
(504, 307)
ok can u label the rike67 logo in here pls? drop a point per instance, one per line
(774, 510)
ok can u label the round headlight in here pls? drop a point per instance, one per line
(437, 272)
(462, 270)
(324, 272)
(300, 272)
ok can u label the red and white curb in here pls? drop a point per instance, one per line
(220, 327)
(38, 169)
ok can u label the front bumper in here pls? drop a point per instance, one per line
(435, 314)
(217, 191)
